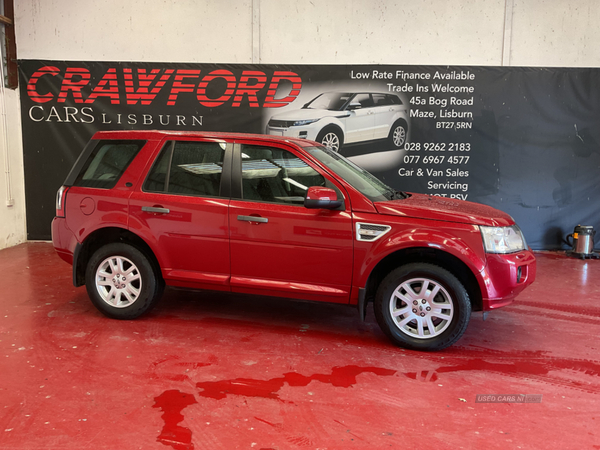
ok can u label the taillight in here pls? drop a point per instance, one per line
(61, 196)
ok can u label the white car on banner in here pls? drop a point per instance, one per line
(338, 118)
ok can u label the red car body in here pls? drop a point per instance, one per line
(277, 249)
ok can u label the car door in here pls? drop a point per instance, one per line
(361, 122)
(181, 209)
(384, 111)
(279, 247)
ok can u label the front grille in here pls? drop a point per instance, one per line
(281, 123)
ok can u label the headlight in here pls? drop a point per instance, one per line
(299, 123)
(503, 239)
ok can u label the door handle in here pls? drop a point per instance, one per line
(253, 219)
(155, 209)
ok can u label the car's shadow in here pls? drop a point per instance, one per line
(268, 312)
(366, 148)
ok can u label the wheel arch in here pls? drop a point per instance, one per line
(334, 127)
(101, 237)
(424, 255)
(399, 118)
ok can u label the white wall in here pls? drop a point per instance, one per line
(461, 32)
(12, 188)
(382, 32)
(135, 30)
(556, 33)
(438, 32)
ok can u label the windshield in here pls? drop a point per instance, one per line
(333, 101)
(367, 184)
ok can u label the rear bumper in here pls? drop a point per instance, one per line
(505, 276)
(63, 239)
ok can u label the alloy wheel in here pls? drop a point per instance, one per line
(399, 136)
(118, 281)
(421, 308)
(331, 141)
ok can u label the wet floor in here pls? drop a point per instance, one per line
(218, 371)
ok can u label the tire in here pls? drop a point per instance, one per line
(398, 134)
(422, 322)
(331, 138)
(138, 290)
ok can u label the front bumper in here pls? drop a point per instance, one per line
(505, 276)
(303, 132)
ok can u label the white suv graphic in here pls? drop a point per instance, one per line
(338, 118)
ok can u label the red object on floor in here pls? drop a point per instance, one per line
(222, 371)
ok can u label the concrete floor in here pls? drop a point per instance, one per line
(216, 371)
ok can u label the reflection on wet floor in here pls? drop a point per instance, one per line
(208, 370)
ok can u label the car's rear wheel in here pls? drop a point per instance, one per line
(422, 307)
(331, 138)
(398, 134)
(121, 281)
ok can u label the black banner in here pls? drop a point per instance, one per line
(523, 140)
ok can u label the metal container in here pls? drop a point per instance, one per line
(583, 241)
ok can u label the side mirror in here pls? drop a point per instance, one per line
(353, 106)
(321, 197)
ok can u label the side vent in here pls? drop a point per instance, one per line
(370, 231)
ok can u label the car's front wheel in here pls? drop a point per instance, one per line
(121, 281)
(331, 138)
(422, 307)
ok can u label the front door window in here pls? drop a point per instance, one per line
(271, 174)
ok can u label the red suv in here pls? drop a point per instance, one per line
(281, 217)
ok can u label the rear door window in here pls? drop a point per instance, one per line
(381, 100)
(188, 168)
(107, 162)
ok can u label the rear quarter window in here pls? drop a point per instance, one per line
(106, 163)
(394, 100)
